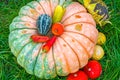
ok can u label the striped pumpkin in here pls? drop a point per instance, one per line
(70, 51)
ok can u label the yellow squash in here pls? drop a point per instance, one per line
(58, 14)
(98, 53)
(101, 38)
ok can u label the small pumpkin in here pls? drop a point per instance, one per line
(57, 29)
(70, 50)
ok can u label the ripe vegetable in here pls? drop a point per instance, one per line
(101, 38)
(49, 44)
(68, 50)
(93, 69)
(98, 53)
(58, 14)
(57, 29)
(98, 9)
(44, 24)
(39, 39)
(80, 75)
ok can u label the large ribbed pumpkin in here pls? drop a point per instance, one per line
(70, 51)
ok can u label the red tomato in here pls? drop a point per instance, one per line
(93, 69)
(80, 75)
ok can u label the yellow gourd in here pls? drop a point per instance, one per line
(98, 53)
(101, 38)
(58, 14)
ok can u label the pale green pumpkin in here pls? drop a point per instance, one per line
(18, 39)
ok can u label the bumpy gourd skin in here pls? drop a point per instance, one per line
(44, 23)
(98, 9)
(72, 48)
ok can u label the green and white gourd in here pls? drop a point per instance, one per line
(44, 23)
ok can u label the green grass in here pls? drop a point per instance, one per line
(10, 70)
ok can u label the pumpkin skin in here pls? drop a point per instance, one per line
(70, 51)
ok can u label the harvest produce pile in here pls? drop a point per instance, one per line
(61, 40)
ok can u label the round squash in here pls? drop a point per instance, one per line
(101, 38)
(72, 48)
(98, 53)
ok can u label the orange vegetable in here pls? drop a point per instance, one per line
(57, 29)
(39, 39)
(49, 44)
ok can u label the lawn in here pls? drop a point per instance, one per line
(9, 68)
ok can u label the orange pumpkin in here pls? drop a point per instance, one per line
(72, 48)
